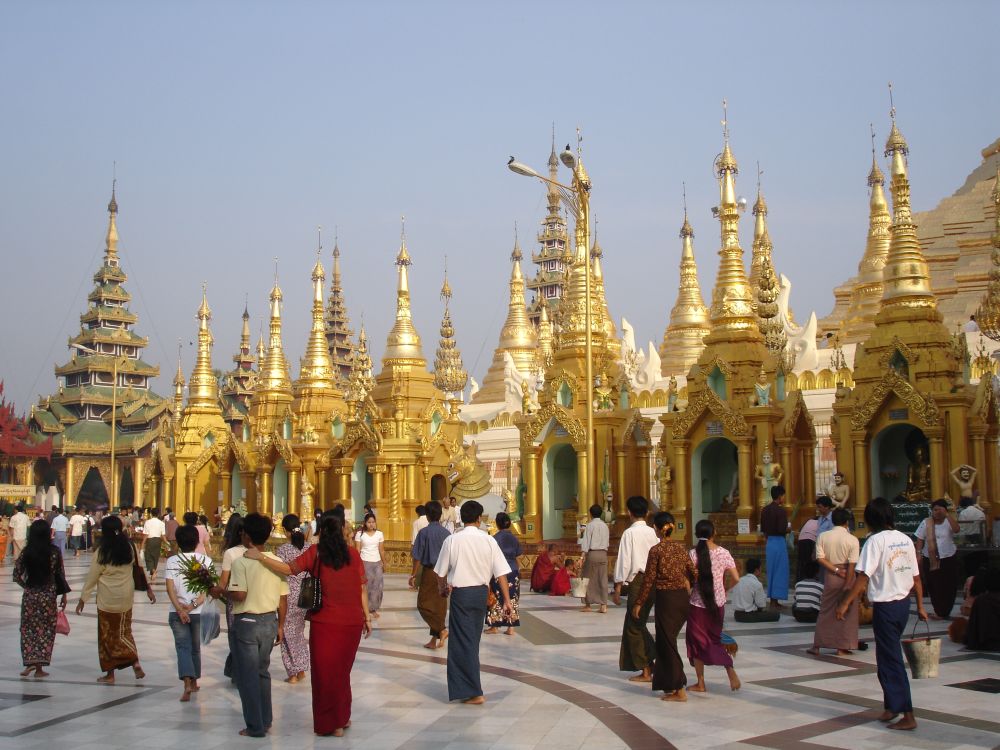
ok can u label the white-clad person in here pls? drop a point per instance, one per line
(638, 649)
(19, 523)
(468, 560)
(594, 545)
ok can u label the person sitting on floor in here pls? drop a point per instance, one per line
(543, 571)
(808, 594)
(748, 598)
(562, 581)
(983, 630)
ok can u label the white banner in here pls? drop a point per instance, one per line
(17, 490)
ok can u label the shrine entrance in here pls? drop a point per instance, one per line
(893, 450)
(714, 477)
(93, 494)
(560, 488)
(361, 487)
(439, 487)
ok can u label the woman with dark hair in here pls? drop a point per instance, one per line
(888, 569)
(111, 575)
(294, 648)
(233, 549)
(204, 536)
(371, 546)
(336, 628)
(39, 571)
(511, 548)
(671, 570)
(716, 575)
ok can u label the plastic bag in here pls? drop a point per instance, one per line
(211, 625)
(62, 623)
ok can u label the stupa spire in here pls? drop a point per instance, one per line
(403, 342)
(732, 301)
(274, 367)
(203, 393)
(111, 238)
(545, 337)
(178, 386)
(449, 374)
(683, 339)
(361, 381)
(518, 336)
(906, 281)
(316, 370)
(762, 246)
(606, 323)
(867, 292)
(548, 283)
(339, 335)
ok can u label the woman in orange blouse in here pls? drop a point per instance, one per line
(670, 569)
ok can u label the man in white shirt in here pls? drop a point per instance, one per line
(420, 522)
(19, 523)
(748, 597)
(638, 648)
(77, 526)
(939, 563)
(60, 525)
(153, 530)
(594, 546)
(465, 565)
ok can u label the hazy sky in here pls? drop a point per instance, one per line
(239, 127)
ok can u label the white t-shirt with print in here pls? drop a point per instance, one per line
(174, 574)
(889, 559)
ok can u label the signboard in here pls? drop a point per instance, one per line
(909, 515)
(714, 428)
(742, 525)
(17, 490)
(899, 414)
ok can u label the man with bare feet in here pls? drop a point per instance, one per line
(426, 548)
(638, 648)
(468, 560)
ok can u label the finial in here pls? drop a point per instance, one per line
(595, 249)
(516, 253)
(246, 306)
(686, 230)
(684, 197)
(892, 107)
(113, 203)
(276, 270)
(725, 121)
(402, 228)
(446, 287)
(579, 142)
(871, 129)
(760, 173)
(319, 240)
(336, 241)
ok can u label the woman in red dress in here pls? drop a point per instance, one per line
(336, 628)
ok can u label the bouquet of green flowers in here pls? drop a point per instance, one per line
(199, 577)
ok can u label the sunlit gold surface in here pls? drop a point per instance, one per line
(683, 341)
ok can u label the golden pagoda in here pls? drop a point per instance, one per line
(518, 339)
(683, 340)
(911, 417)
(271, 421)
(560, 467)
(319, 406)
(202, 434)
(762, 247)
(400, 434)
(450, 376)
(866, 294)
(739, 424)
(104, 405)
(238, 385)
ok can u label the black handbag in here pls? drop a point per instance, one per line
(311, 591)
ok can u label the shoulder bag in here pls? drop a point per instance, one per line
(138, 575)
(310, 590)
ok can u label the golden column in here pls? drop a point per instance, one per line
(681, 490)
(862, 476)
(70, 485)
(293, 504)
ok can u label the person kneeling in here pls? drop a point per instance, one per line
(808, 594)
(748, 597)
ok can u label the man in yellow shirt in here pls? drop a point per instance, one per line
(260, 599)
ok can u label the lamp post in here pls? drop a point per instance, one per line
(576, 197)
(114, 409)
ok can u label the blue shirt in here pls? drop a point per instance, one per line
(511, 548)
(825, 524)
(427, 545)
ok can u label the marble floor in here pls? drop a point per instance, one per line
(554, 685)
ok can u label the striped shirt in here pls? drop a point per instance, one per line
(808, 593)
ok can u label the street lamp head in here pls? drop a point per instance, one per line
(567, 158)
(522, 169)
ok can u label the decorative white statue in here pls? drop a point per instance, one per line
(839, 491)
(965, 477)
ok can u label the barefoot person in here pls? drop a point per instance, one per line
(638, 648)
(39, 571)
(184, 615)
(468, 560)
(888, 569)
(111, 575)
(433, 607)
(594, 546)
(670, 570)
(497, 617)
(837, 552)
(716, 575)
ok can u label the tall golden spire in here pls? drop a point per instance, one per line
(732, 302)
(402, 345)
(518, 337)
(866, 296)
(339, 335)
(905, 277)
(111, 240)
(178, 387)
(361, 381)
(761, 238)
(203, 393)
(546, 343)
(316, 369)
(683, 340)
(449, 374)
(606, 322)
(274, 375)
